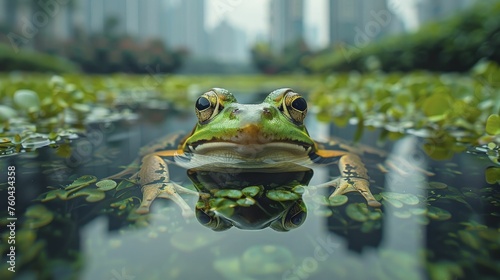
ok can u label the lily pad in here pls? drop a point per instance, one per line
(356, 212)
(92, 195)
(406, 198)
(229, 193)
(492, 175)
(26, 99)
(106, 185)
(122, 204)
(51, 195)
(82, 181)
(437, 185)
(7, 113)
(493, 125)
(221, 203)
(245, 202)
(439, 214)
(436, 105)
(38, 216)
(338, 200)
(282, 195)
(251, 191)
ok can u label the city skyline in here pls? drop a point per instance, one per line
(201, 25)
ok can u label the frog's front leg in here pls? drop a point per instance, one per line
(155, 181)
(353, 176)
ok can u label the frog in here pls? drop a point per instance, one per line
(266, 137)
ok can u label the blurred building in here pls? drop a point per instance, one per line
(36, 23)
(286, 23)
(228, 43)
(358, 22)
(429, 10)
(185, 26)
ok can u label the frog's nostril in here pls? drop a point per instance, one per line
(266, 112)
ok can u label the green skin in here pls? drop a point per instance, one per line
(268, 136)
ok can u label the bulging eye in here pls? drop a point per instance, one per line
(202, 103)
(293, 218)
(294, 106)
(299, 104)
(207, 106)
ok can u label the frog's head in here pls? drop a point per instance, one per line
(269, 130)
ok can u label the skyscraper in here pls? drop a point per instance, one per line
(286, 23)
(433, 9)
(228, 43)
(185, 26)
(358, 21)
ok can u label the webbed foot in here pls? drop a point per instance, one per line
(361, 185)
(155, 181)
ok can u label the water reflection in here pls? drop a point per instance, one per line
(250, 200)
(428, 225)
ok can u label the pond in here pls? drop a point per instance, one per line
(439, 218)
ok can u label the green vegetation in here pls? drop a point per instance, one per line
(105, 54)
(291, 60)
(446, 109)
(31, 61)
(454, 44)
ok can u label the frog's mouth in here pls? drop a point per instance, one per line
(250, 141)
(252, 151)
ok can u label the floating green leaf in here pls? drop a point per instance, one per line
(439, 214)
(106, 185)
(338, 200)
(92, 195)
(356, 212)
(437, 185)
(51, 195)
(492, 175)
(7, 113)
(38, 216)
(229, 193)
(406, 198)
(493, 125)
(282, 195)
(251, 191)
(26, 99)
(82, 181)
(221, 203)
(245, 202)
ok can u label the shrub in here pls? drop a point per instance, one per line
(453, 44)
(25, 60)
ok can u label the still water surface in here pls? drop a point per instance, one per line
(444, 226)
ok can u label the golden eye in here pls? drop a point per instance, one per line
(207, 106)
(294, 106)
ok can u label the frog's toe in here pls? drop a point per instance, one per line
(167, 191)
(149, 194)
(360, 185)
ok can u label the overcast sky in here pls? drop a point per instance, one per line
(253, 16)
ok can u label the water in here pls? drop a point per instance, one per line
(450, 231)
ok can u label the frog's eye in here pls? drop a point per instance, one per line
(207, 106)
(293, 218)
(212, 221)
(294, 106)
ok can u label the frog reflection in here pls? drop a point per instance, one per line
(250, 200)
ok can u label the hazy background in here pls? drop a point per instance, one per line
(204, 34)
